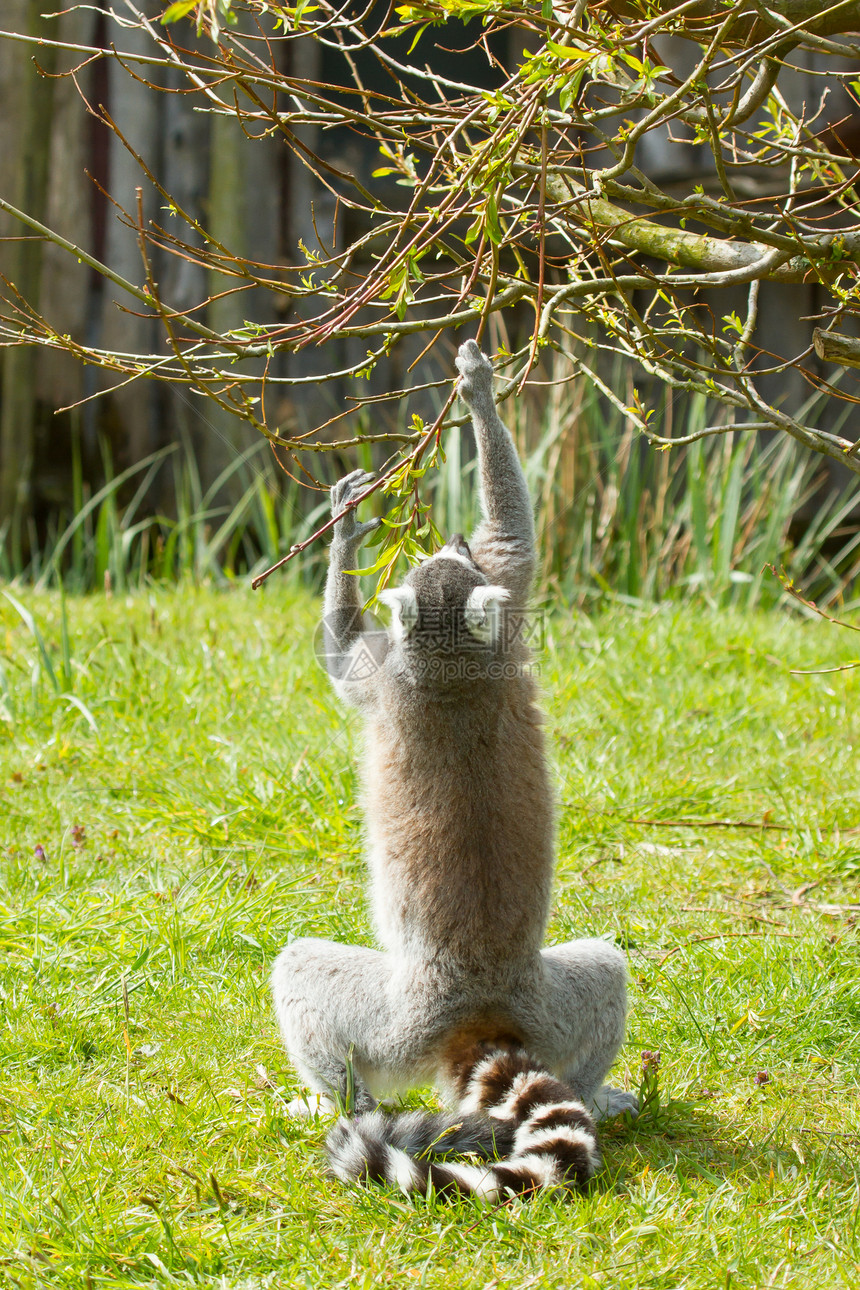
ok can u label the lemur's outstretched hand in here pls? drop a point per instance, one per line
(343, 622)
(476, 379)
(348, 529)
(503, 546)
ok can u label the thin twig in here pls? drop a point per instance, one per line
(711, 824)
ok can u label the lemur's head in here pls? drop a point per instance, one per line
(446, 605)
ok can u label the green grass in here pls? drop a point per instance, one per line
(190, 779)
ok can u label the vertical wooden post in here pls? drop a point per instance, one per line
(243, 216)
(18, 413)
(137, 111)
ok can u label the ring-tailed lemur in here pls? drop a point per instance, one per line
(459, 813)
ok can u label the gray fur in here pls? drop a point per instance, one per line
(459, 811)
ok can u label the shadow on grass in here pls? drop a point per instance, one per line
(689, 1140)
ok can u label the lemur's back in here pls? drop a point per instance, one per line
(459, 820)
(459, 811)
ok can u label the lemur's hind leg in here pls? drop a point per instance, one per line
(575, 1022)
(328, 999)
(335, 1000)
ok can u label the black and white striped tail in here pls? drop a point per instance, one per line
(524, 1122)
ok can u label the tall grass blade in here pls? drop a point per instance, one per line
(33, 628)
(64, 640)
(53, 561)
(72, 701)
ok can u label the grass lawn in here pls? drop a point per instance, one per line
(178, 797)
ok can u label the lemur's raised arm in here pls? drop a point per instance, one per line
(343, 623)
(503, 545)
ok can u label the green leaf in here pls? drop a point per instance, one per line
(386, 558)
(494, 228)
(570, 90)
(419, 33)
(632, 61)
(471, 233)
(179, 9)
(571, 54)
(302, 7)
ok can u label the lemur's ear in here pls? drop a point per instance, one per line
(483, 612)
(403, 604)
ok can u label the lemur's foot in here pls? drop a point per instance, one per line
(343, 492)
(609, 1102)
(476, 373)
(309, 1105)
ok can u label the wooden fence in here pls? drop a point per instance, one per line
(70, 171)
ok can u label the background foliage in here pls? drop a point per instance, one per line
(671, 187)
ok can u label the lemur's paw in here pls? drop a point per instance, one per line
(310, 1105)
(343, 492)
(609, 1102)
(476, 372)
(347, 488)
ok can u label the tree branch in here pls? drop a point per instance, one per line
(725, 262)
